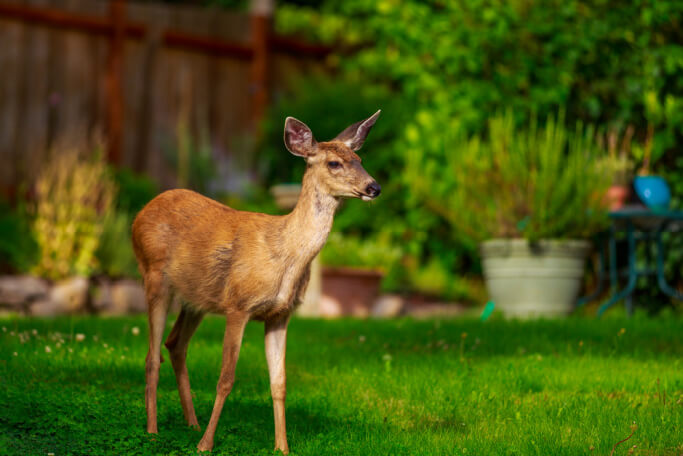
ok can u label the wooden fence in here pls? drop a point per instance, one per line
(130, 73)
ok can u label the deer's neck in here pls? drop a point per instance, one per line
(308, 225)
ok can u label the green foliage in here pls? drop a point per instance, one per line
(352, 251)
(18, 248)
(399, 387)
(618, 168)
(537, 183)
(134, 190)
(606, 61)
(115, 251)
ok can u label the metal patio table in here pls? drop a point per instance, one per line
(639, 224)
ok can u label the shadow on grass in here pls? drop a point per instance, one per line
(245, 428)
(68, 415)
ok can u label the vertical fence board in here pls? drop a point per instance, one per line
(34, 123)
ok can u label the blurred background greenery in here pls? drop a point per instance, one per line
(458, 82)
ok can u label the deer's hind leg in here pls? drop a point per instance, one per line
(158, 301)
(177, 341)
(232, 341)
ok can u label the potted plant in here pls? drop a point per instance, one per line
(531, 197)
(352, 272)
(619, 166)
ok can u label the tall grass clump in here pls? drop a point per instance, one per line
(73, 194)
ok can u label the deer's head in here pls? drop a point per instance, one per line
(334, 163)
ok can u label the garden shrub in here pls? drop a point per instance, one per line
(18, 248)
(73, 194)
(115, 251)
(134, 190)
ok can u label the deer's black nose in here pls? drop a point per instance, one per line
(373, 190)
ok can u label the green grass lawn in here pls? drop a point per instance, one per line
(456, 387)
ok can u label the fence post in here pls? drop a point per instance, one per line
(114, 92)
(261, 12)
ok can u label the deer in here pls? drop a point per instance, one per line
(242, 265)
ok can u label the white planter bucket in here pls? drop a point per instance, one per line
(542, 279)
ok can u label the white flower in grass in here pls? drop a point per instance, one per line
(4, 329)
(15, 354)
(105, 345)
(135, 330)
(361, 339)
(48, 349)
(80, 337)
(34, 332)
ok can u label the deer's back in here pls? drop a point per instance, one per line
(211, 254)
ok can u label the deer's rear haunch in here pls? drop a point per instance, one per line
(243, 265)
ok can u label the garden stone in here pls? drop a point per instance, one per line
(101, 297)
(70, 295)
(128, 296)
(45, 307)
(388, 306)
(17, 292)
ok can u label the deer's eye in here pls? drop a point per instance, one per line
(334, 165)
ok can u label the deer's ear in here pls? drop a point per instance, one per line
(299, 138)
(354, 135)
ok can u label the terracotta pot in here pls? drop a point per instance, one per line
(349, 291)
(616, 196)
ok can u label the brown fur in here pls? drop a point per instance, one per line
(243, 265)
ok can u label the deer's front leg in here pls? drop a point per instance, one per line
(276, 339)
(232, 341)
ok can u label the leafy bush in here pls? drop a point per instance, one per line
(73, 195)
(606, 61)
(352, 251)
(115, 251)
(18, 248)
(134, 190)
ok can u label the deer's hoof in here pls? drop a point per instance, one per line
(202, 447)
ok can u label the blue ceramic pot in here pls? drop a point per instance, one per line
(653, 191)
